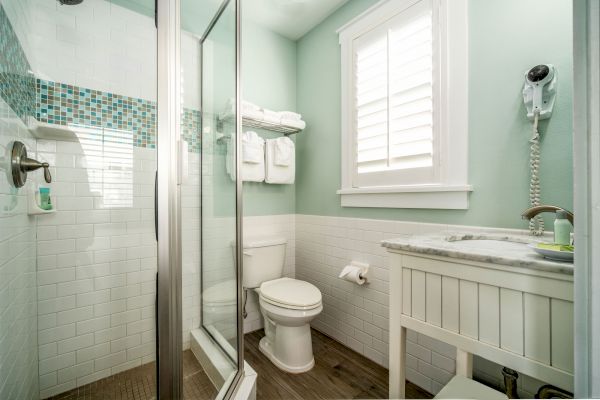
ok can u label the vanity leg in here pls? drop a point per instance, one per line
(397, 375)
(464, 363)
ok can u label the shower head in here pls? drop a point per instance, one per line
(70, 2)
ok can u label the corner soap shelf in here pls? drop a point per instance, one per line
(44, 130)
(33, 208)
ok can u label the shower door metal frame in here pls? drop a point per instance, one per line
(169, 329)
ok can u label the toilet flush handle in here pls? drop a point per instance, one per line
(248, 253)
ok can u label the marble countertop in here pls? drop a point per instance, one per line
(501, 249)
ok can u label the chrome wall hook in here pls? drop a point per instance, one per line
(21, 164)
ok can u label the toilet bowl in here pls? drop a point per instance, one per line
(219, 308)
(287, 305)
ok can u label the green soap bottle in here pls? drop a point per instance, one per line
(562, 228)
(45, 201)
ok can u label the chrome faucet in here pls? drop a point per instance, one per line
(533, 211)
(21, 164)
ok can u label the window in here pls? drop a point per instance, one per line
(404, 143)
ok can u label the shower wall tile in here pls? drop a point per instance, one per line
(17, 83)
(96, 262)
(95, 44)
(18, 297)
(118, 117)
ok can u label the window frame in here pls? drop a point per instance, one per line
(450, 189)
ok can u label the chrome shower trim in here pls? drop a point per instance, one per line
(169, 332)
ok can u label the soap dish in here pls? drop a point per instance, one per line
(33, 208)
(554, 255)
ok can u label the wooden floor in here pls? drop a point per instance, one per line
(339, 373)
(140, 384)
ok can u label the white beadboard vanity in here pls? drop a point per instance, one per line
(486, 294)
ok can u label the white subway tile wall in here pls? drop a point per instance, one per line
(18, 302)
(358, 316)
(190, 242)
(96, 263)
(96, 44)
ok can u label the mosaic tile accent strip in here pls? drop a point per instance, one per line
(190, 128)
(17, 83)
(63, 104)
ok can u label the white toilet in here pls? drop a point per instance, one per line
(287, 305)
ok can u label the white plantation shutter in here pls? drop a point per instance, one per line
(393, 76)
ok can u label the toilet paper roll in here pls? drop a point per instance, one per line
(352, 273)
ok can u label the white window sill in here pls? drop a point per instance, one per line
(447, 197)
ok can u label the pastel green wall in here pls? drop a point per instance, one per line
(506, 38)
(269, 80)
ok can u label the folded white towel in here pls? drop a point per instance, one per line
(290, 115)
(253, 157)
(277, 173)
(253, 148)
(284, 148)
(293, 123)
(273, 117)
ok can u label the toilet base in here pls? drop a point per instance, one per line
(266, 347)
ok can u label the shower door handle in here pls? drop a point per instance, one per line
(156, 205)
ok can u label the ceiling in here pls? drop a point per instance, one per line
(290, 18)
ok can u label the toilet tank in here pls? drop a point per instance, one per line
(263, 260)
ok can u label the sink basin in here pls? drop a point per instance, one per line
(490, 242)
(495, 244)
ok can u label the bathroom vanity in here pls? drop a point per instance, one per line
(486, 294)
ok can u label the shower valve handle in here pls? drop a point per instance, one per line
(21, 165)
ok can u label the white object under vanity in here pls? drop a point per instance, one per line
(488, 295)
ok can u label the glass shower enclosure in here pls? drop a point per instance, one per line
(126, 277)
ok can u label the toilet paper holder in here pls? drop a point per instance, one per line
(356, 272)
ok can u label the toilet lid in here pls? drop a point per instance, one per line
(291, 292)
(222, 293)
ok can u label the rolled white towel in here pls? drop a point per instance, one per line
(271, 116)
(290, 115)
(293, 123)
(256, 115)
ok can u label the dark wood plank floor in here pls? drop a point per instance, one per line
(339, 373)
(140, 384)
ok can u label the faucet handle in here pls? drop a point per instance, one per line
(47, 175)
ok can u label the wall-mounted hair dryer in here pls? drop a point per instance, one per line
(539, 91)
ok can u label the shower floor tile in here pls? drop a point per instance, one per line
(140, 384)
(339, 373)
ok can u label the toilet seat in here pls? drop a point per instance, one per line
(291, 294)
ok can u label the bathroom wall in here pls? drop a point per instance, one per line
(329, 236)
(500, 53)
(18, 299)
(269, 80)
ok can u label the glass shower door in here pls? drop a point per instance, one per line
(219, 201)
(210, 197)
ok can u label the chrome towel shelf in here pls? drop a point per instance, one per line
(260, 124)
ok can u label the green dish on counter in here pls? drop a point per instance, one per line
(556, 247)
